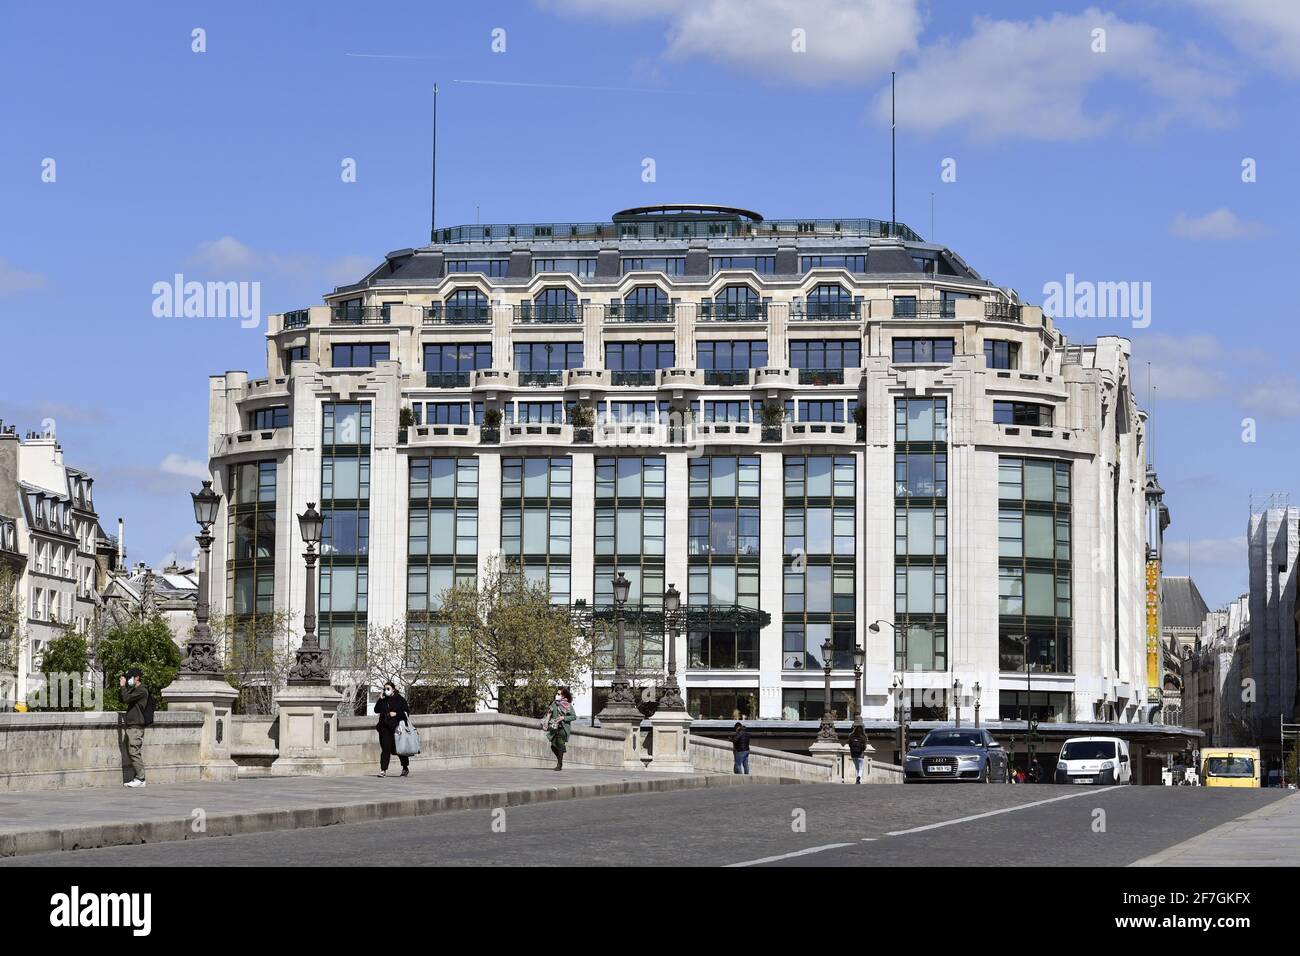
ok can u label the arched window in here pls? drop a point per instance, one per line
(830, 300)
(467, 305)
(737, 303)
(556, 304)
(646, 303)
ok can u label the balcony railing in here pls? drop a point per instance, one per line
(366, 315)
(1002, 312)
(821, 376)
(441, 314)
(718, 376)
(631, 312)
(733, 311)
(657, 228)
(827, 312)
(545, 314)
(446, 379)
(546, 377)
(639, 377)
(297, 319)
(927, 309)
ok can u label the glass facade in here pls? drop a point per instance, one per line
(345, 506)
(442, 531)
(1034, 565)
(920, 534)
(819, 589)
(536, 518)
(630, 538)
(250, 540)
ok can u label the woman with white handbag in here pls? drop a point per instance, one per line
(393, 712)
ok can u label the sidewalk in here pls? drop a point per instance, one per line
(48, 820)
(1269, 836)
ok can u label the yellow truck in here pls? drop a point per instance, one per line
(1230, 767)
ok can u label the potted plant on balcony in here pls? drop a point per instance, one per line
(583, 420)
(490, 433)
(773, 416)
(860, 418)
(405, 419)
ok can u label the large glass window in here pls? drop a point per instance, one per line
(543, 363)
(449, 365)
(670, 265)
(822, 361)
(921, 420)
(764, 265)
(250, 537)
(536, 520)
(635, 363)
(923, 350)
(496, 268)
(646, 303)
(345, 536)
(729, 362)
(276, 416)
(582, 268)
(359, 354)
(1022, 413)
(442, 529)
(850, 262)
(1001, 354)
(830, 301)
(920, 533)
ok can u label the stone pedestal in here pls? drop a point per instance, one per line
(672, 735)
(834, 755)
(213, 699)
(627, 720)
(308, 731)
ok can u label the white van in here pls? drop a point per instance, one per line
(1103, 760)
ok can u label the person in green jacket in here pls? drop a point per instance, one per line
(557, 724)
(134, 696)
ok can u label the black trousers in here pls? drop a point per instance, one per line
(388, 747)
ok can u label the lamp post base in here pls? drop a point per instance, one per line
(214, 699)
(671, 741)
(308, 731)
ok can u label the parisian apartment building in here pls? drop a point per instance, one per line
(51, 540)
(816, 430)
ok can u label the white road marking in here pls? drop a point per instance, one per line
(788, 856)
(994, 813)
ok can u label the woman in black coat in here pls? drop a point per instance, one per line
(392, 710)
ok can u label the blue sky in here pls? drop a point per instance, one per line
(1119, 164)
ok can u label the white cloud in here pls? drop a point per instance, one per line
(1272, 398)
(1036, 80)
(1222, 223)
(1182, 367)
(1206, 552)
(184, 467)
(349, 269)
(845, 39)
(226, 254)
(14, 280)
(1268, 31)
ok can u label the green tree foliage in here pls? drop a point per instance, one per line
(503, 640)
(146, 644)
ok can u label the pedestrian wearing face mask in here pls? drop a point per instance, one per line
(392, 710)
(557, 724)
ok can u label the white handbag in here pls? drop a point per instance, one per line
(406, 739)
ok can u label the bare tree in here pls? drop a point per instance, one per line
(503, 640)
(255, 659)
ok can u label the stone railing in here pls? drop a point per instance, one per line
(715, 756)
(479, 740)
(60, 751)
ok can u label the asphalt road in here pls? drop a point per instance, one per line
(842, 826)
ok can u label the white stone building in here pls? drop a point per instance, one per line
(51, 509)
(875, 433)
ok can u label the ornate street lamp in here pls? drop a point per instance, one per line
(201, 661)
(310, 666)
(827, 731)
(977, 703)
(621, 702)
(859, 661)
(672, 698)
(956, 701)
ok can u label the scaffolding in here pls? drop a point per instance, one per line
(1290, 734)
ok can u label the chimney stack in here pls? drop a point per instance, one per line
(121, 545)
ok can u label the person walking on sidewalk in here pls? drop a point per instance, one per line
(557, 724)
(740, 748)
(392, 710)
(138, 716)
(857, 749)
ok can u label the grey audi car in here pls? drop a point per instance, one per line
(956, 754)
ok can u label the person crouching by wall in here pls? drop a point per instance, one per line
(392, 710)
(740, 748)
(557, 724)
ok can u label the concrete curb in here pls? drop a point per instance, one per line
(1169, 856)
(241, 823)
